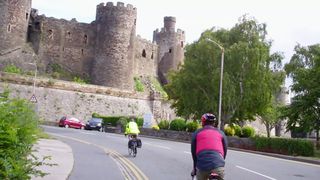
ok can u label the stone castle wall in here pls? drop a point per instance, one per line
(14, 18)
(59, 98)
(67, 43)
(105, 51)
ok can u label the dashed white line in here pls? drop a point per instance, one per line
(268, 177)
(187, 152)
(159, 146)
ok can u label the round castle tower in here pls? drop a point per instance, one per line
(113, 64)
(13, 24)
(171, 44)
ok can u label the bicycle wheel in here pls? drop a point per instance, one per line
(134, 150)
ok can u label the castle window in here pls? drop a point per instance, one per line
(9, 28)
(152, 55)
(170, 50)
(82, 51)
(182, 44)
(27, 16)
(144, 54)
(63, 49)
(85, 39)
(50, 34)
(135, 21)
(68, 34)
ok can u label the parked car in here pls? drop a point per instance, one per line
(71, 122)
(94, 124)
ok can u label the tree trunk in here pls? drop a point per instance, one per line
(268, 129)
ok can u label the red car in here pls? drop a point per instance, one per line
(71, 122)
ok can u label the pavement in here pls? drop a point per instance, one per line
(61, 155)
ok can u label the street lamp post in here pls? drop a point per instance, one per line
(221, 79)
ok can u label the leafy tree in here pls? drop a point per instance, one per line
(271, 116)
(304, 69)
(248, 82)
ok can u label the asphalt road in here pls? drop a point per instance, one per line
(101, 156)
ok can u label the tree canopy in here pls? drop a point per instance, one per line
(304, 69)
(248, 80)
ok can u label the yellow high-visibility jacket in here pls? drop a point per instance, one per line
(132, 128)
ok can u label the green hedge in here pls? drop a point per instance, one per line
(229, 131)
(115, 120)
(297, 147)
(18, 130)
(178, 125)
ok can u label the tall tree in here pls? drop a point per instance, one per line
(304, 68)
(247, 81)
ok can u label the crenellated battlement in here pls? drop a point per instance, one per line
(110, 5)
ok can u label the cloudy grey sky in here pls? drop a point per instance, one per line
(288, 21)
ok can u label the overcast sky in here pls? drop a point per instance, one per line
(288, 21)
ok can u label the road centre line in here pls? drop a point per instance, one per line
(254, 172)
(187, 152)
(127, 168)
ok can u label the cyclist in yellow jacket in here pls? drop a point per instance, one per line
(132, 130)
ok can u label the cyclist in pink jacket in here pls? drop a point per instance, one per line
(209, 149)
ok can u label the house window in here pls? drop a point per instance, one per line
(144, 54)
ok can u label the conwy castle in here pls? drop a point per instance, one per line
(107, 51)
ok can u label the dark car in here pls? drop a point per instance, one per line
(71, 122)
(94, 124)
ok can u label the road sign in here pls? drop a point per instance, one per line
(33, 99)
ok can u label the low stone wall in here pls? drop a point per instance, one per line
(167, 134)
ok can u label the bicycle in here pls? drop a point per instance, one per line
(132, 146)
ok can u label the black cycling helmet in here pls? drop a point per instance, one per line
(208, 117)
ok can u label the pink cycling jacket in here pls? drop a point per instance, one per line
(208, 148)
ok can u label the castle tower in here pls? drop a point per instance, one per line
(14, 18)
(113, 64)
(171, 45)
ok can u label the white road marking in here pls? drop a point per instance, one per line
(276, 158)
(255, 172)
(187, 152)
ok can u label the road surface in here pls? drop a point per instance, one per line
(101, 156)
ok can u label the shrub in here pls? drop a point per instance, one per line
(237, 130)
(155, 127)
(139, 121)
(164, 124)
(229, 131)
(178, 125)
(284, 146)
(79, 80)
(192, 126)
(138, 85)
(12, 69)
(248, 131)
(18, 127)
